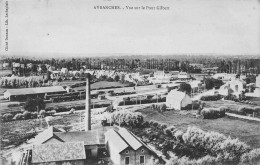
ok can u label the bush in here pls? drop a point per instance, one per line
(151, 122)
(168, 131)
(7, 117)
(42, 113)
(32, 104)
(18, 116)
(53, 112)
(226, 149)
(245, 110)
(26, 115)
(163, 126)
(251, 158)
(13, 105)
(178, 135)
(145, 124)
(257, 111)
(34, 115)
(213, 113)
(109, 109)
(128, 118)
(211, 98)
(155, 124)
(206, 160)
(72, 111)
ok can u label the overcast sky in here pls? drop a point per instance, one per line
(190, 26)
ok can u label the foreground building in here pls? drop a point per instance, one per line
(125, 148)
(72, 153)
(92, 140)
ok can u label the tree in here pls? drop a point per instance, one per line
(116, 78)
(33, 104)
(209, 83)
(184, 87)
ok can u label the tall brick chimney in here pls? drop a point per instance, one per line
(88, 101)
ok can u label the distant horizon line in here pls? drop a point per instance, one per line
(107, 55)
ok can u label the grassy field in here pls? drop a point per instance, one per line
(229, 104)
(5, 72)
(246, 131)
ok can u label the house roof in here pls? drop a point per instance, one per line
(176, 96)
(26, 91)
(117, 140)
(130, 139)
(89, 137)
(122, 139)
(46, 135)
(58, 152)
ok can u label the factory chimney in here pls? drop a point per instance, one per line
(88, 111)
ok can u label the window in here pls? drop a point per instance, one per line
(127, 160)
(142, 150)
(236, 88)
(88, 152)
(142, 159)
(127, 152)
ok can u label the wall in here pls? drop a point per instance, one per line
(172, 103)
(186, 101)
(135, 156)
(114, 154)
(93, 148)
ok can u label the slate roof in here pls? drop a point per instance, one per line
(46, 135)
(89, 137)
(58, 152)
(117, 140)
(27, 91)
(122, 139)
(131, 140)
(176, 96)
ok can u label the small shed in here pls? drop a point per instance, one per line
(177, 100)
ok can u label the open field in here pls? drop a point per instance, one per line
(246, 131)
(5, 72)
(229, 104)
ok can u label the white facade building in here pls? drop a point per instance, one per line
(177, 100)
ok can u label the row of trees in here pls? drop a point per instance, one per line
(225, 64)
(25, 82)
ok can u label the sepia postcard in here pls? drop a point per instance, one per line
(130, 82)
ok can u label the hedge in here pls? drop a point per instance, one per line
(7, 117)
(77, 107)
(18, 116)
(226, 149)
(251, 158)
(143, 101)
(211, 98)
(127, 118)
(213, 113)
